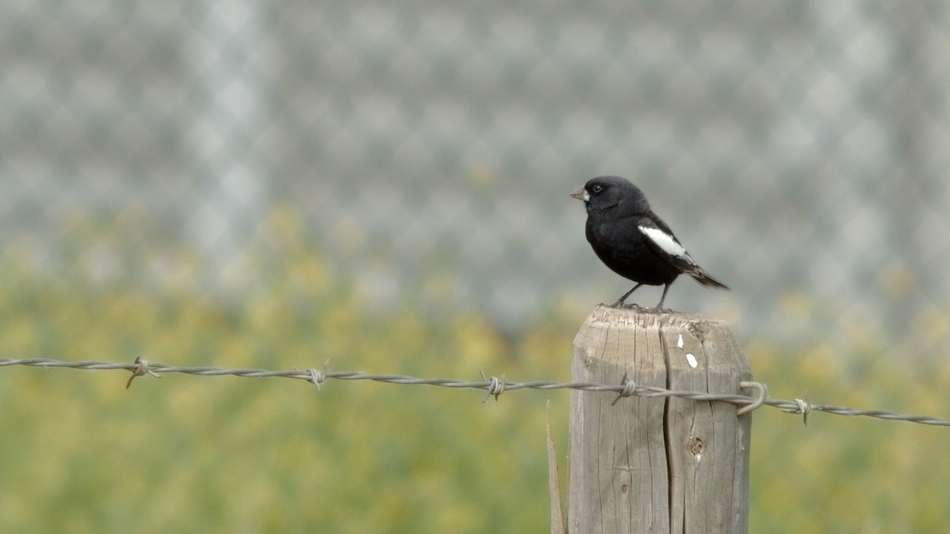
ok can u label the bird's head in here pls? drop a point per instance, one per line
(607, 192)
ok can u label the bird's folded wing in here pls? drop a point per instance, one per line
(662, 241)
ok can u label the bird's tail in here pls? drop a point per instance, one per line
(700, 276)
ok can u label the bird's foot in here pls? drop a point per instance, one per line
(621, 306)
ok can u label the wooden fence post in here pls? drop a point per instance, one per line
(658, 464)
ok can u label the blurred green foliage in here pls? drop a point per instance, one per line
(80, 453)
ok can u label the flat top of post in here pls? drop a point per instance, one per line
(642, 317)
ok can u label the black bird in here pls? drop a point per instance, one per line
(631, 240)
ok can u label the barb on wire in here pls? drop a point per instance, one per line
(804, 408)
(629, 388)
(318, 377)
(141, 369)
(494, 386)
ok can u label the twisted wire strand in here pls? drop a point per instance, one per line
(494, 386)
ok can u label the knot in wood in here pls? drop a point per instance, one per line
(696, 446)
(699, 329)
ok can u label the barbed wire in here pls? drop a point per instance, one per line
(493, 385)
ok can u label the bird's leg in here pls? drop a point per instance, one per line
(619, 303)
(659, 307)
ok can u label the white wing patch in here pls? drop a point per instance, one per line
(665, 241)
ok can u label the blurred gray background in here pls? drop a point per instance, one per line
(426, 149)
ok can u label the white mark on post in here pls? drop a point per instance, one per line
(679, 342)
(692, 360)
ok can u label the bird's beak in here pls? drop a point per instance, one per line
(581, 194)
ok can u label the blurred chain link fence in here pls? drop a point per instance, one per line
(799, 149)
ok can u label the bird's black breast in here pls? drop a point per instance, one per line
(621, 246)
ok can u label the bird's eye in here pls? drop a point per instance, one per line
(597, 188)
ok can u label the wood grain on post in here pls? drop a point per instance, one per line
(656, 464)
